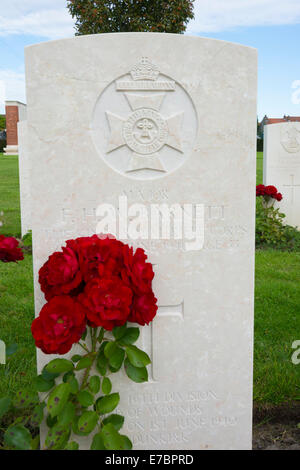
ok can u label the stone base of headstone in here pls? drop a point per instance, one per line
(11, 150)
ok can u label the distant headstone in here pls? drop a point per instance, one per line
(24, 178)
(282, 166)
(143, 122)
(15, 112)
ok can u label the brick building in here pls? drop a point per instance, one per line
(15, 111)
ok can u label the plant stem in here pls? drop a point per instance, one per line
(93, 333)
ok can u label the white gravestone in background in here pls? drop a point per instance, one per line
(24, 178)
(282, 166)
(159, 119)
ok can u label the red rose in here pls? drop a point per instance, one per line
(60, 274)
(279, 196)
(60, 324)
(144, 309)
(9, 250)
(260, 190)
(106, 302)
(271, 190)
(137, 272)
(97, 256)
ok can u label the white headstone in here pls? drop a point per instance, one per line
(24, 178)
(159, 118)
(282, 166)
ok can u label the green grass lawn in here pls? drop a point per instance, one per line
(9, 196)
(259, 168)
(277, 309)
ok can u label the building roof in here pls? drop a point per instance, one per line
(267, 120)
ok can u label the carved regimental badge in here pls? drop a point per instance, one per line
(291, 139)
(147, 121)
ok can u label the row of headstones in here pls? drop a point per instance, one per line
(157, 118)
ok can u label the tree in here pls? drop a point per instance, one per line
(2, 122)
(100, 16)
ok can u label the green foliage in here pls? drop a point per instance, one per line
(79, 403)
(137, 374)
(271, 231)
(2, 122)
(101, 16)
(18, 437)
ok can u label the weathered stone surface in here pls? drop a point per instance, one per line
(159, 118)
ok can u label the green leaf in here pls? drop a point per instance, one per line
(42, 385)
(76, 358)
(87, 421)
(51, 421)
(37, 415)
(76, 429)
(18, 437)
(137, 374)
(58, 399)
(72, 446)
(67, 416)
(119, 331)
(85, 362)
(137, 357)
(116, 420)
(101, 335)
(48, 376)
(98, 443)
(94, 384)
(35, 443)
(102, 364)
(108, 403)
(110, 348)
(58, 366)
(127, 444)
(25, 399)
(5, 404)
(70, 378)
(106, 386)
(111, 438)
(130, 336)
(57, 437)
(117, 358)
(85, 398)
(11, 349)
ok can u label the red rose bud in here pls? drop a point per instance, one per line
(9, 251)
(106, 302)
(279, 196)
(60, 324)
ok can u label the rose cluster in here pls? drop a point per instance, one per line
(268, 192)
(9, 250)
(94, 281)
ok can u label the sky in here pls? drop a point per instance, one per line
(271, 26)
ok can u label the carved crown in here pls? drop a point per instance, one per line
(145, 70)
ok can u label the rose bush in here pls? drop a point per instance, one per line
(94, 288)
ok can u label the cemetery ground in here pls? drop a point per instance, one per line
(277, 324)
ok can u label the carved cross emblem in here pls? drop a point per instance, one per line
(145, 130)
